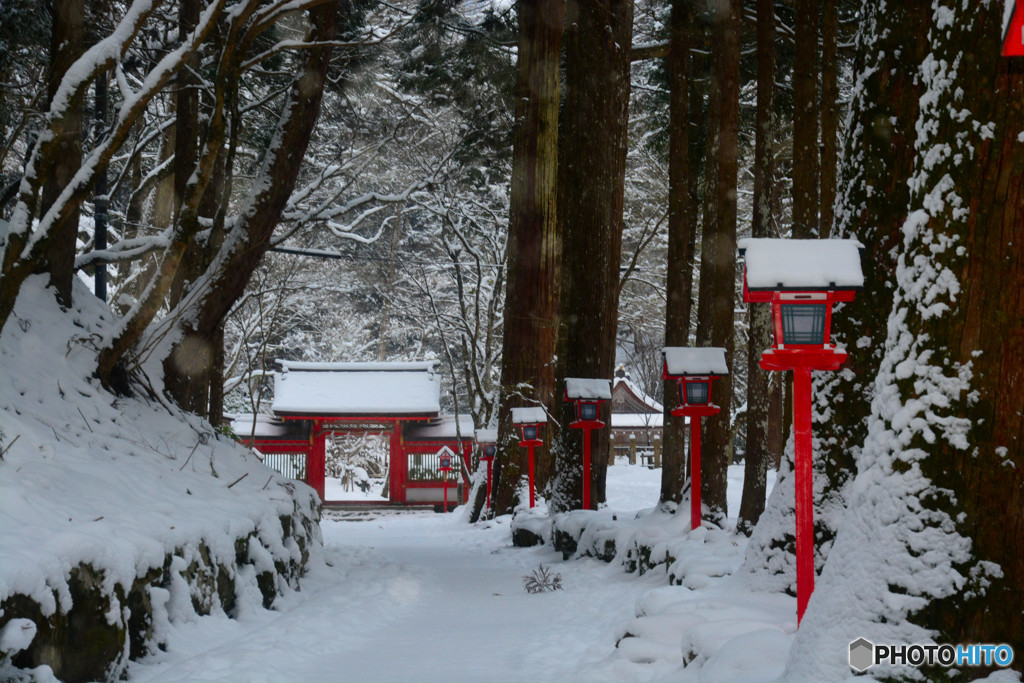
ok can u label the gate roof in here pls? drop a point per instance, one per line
(411, 389)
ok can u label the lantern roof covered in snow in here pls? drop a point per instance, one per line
(487, 436)
(578, 389)
(801, 264)
(526, 416)
(687, 360)
(411, 389)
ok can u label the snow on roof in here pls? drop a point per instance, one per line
(487, 435)
(637, 420)
(533, 415)
(638, 393)
(266, 427)
(802, 264)
(330, 389)
(577, 388)
(440, 428)
(358, 366)
(686, 360)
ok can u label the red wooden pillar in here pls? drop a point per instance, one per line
(695, 483)
(804, 489)
(399, 463)
(316, 464)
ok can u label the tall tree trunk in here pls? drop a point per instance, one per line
(190, 372)
(715, 317)
(592, 151)
(829, 112)
(934, 525)
(110, 366)
(755, 468)
(101, 202)
(805, 120)
(534, 245)
(681, 230)
(66, 45)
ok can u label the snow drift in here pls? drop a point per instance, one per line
(120, 515)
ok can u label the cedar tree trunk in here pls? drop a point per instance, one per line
(592, 152)
(534, 246)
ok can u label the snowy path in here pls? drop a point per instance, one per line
(415, 596)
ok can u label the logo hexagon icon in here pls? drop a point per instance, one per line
(862, 654)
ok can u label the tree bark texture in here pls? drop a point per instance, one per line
(979, 480)
(715, 313)
(805, 120)
(755, 468)
(682, 213)
(67, 45)
(592, 170)
(878, 153)
(534, 245)
(879, 148)
(940, 485)
(829, 112)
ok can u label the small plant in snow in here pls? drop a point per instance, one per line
(542, 580)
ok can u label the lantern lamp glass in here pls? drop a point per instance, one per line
(446, 461)
(803, 324)
(490, 450)
(588, 411)
(697, 393)
(529, 432)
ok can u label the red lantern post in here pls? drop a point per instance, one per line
(694, 369)
(487, 439)
(530, 422)
(444, 458)
(587, 394)
(802, 279)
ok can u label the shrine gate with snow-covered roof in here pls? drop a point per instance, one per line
(400, 401)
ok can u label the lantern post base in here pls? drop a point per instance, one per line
(695, 413)
(802, 478)
(802, 362)
(695, 481)
(586, 426)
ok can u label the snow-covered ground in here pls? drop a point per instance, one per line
(420, 596)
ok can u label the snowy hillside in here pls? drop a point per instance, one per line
(105, 496)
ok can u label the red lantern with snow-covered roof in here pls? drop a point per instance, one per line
(802, 280)
(694, 369)
(530, 423)
(487, 440)
(587, 395)
(444, 462)
(1013, 39)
